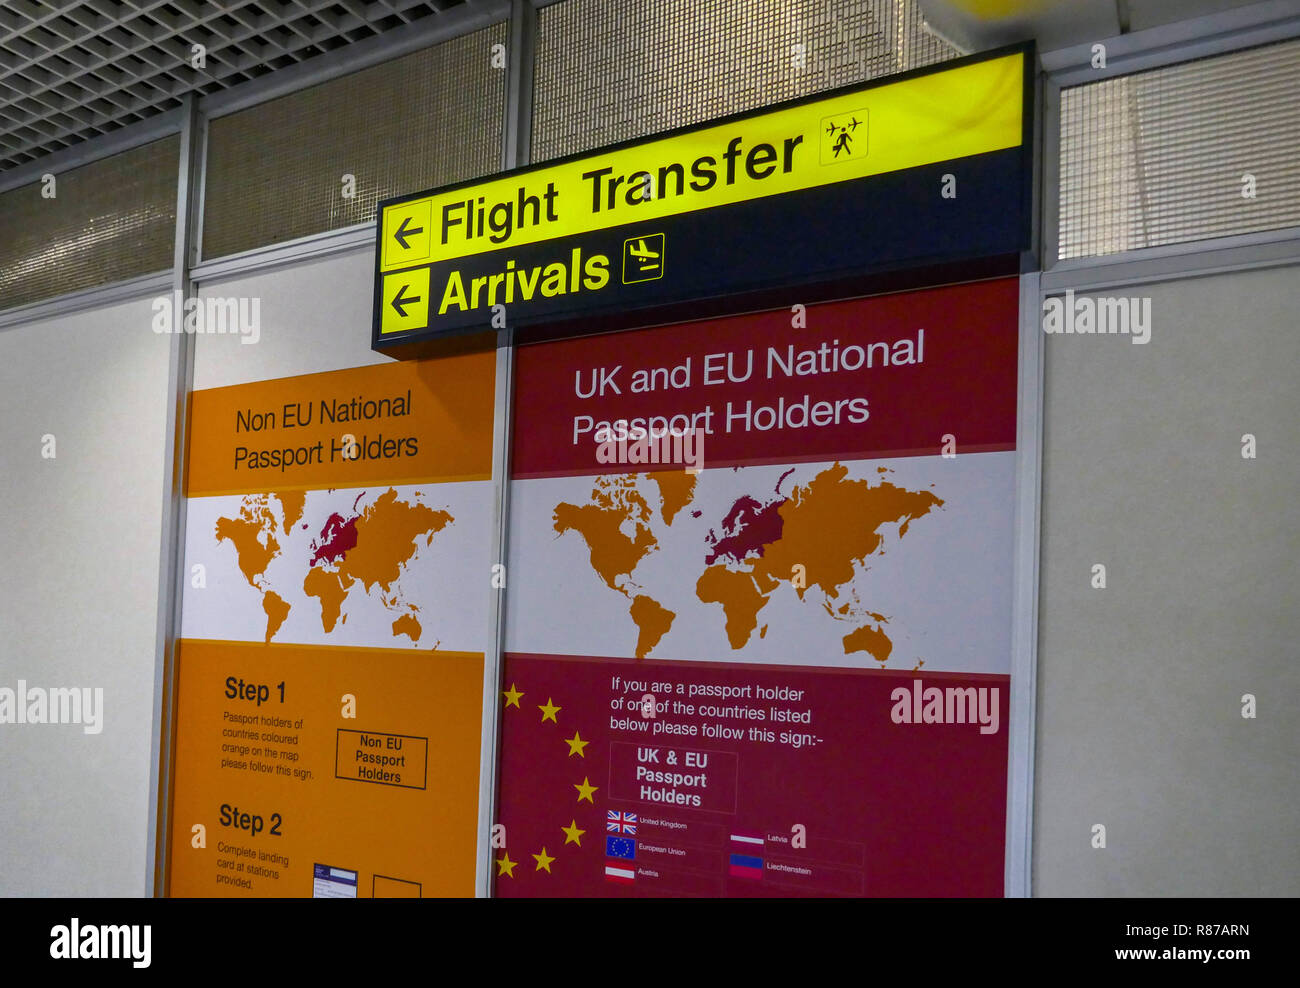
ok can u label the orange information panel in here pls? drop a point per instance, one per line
(400, 423)
(327, 738)
(308, 770)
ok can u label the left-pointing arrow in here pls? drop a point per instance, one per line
(401, 233)
(400, 301)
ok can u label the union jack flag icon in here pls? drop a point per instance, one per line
(618, 822)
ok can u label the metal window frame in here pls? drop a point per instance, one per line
(472, 15)
(96, 149)
(1022, 725)
(469, 16)
(171, 554)
(88, 298)
(1181, 41)
(1023, 689)
(1157, 47)
(89, 152)
(516, 149)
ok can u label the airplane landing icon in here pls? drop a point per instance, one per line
(643, 258)
(649, 258)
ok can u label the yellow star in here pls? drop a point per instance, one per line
(585, 789)
(512, 696)
(549, 711)
(505, 866)
(543, 861)
(573, 834)
(576, 744)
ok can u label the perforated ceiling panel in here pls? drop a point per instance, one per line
(1200, 150)
(276, 171)
(76, 68)
(107, 221)
(608, 72)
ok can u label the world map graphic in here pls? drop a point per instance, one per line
(349, 555)
(817, 538)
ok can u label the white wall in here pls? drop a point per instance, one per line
(1140, 684)
(80, 537)
(315, 317)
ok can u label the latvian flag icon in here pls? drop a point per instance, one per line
(746, 854)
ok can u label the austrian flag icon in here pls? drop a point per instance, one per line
(620, 873)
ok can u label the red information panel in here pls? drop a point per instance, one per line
(755, 780)
(897, 372)
(759, 625)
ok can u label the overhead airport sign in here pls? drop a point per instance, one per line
(929, 166)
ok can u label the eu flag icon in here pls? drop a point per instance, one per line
(620, 847)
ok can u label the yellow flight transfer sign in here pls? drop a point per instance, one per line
(970, 109)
